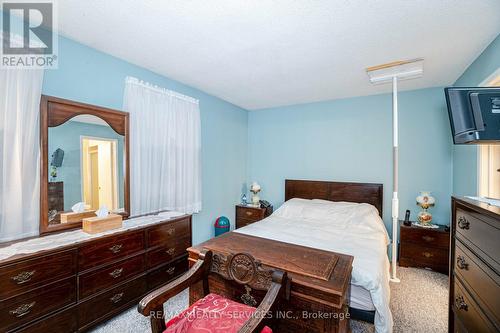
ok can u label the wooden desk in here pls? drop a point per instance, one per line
(320, 281)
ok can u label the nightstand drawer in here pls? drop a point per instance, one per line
(425, 256)
(424, 237)
(249, 213)
(240, 223)
(479, 278)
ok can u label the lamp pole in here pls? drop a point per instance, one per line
(395, 200)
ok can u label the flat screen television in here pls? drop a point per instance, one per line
(474, 114)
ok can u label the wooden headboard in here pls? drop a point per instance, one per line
(336, 191)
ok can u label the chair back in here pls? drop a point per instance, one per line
(244, 269)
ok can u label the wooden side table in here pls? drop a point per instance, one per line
(424, 247)
(246, 215)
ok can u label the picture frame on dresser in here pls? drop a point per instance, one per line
(57, 113)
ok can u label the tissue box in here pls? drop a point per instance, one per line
(71, 217)
(94, 225)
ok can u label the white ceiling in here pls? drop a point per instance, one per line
(265, 53)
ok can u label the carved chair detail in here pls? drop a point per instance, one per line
(240, 268)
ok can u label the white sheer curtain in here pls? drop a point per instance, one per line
(165, 149)
(20, 91)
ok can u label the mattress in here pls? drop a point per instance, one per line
(349, 228)
(361, 299)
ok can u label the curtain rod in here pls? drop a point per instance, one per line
(136, 81)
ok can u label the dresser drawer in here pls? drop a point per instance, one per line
(468, 312)
(478, 277)
(249, 213)
(25, 275)
(165, 254)
(478, 232)
(111, 301)
(63, 322)
(55, 186)
(108, 276)
(110, 249)
(165, 233)
(167, 273)
(424, 237)
(37, 303)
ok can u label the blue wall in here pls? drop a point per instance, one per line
(90, 76)
(465, 168)
(67, 137)
(351, 140)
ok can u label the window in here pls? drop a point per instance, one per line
(489, 157)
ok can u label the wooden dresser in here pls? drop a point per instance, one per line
(424, 247)
(73, 288)
(56, 196)
(475, 267)
(246, 215)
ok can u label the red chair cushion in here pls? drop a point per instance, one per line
(212, 314)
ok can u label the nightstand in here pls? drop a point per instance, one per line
(424, 247)
(246, 215)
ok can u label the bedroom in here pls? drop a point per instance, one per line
(207, 101)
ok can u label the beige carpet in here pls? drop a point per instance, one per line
(419, 304)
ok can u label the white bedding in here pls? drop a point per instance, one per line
(349, 228)
(361, 299)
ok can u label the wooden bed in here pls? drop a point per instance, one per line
(336, 191)
(320, 280)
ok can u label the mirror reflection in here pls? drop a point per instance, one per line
(86, 169)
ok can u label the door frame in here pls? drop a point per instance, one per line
(116, 196)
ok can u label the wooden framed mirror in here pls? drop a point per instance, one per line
(84, 162)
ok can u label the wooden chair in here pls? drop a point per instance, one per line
(239, 268)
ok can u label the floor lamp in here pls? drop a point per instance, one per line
(392, 73)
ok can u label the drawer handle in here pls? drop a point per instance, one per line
(171, 231)
(463, 223)
(428, 238)
(460, 303)
(248, 213)
(116, 298)
(461, 263)
(427, 254)
(23, 277)
(116, 248)
(171, 270)
(116, 273)
(22, 310)
(170, 251)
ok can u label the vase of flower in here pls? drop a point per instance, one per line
(425, 200)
